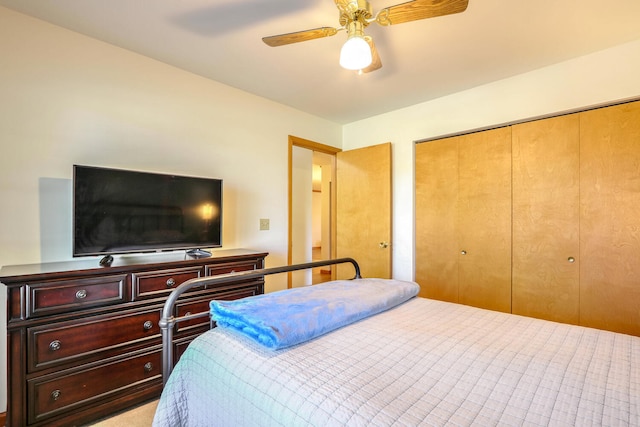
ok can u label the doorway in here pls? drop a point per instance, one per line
(311, 209)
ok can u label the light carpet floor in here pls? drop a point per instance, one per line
(140, 416)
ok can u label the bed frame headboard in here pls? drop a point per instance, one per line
(168, 321)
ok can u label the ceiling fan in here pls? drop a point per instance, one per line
(359, 52)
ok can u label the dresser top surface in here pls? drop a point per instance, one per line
(121, 263)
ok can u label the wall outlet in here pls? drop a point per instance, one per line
(264, 223)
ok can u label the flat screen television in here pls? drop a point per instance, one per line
(122, 211)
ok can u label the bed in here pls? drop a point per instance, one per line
(410, 363)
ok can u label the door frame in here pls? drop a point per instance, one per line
(295, 141)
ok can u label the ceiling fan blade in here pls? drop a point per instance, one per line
(419, 9)
(300, 36)
(376, 63)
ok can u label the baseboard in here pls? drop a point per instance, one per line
(3, 419)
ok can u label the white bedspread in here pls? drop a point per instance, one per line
(424, 362)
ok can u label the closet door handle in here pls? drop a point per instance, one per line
(571, 259)
(463, 252)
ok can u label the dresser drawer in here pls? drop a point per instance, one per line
(152, 284)
(54, 394)
(194, 307)
(76, 340)
(230, 267)
(200, 306)
(46, 298)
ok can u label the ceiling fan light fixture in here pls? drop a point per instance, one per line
(355, 54)
(356, 15)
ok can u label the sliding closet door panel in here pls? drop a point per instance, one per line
(610, 218)
(484, 219)
(546, 219)
(436, 219)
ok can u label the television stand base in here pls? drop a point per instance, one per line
(106, 261)
(198, 253)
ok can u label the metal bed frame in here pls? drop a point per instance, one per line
(168, 322)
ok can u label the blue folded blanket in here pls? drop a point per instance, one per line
(285, 318)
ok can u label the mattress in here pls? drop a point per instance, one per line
(422, 363)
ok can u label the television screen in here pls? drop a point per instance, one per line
(120, 211)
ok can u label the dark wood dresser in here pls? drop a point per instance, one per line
(84, 341)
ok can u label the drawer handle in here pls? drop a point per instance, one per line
(55, 345)
(170, 282)
(148, 367)
(55, 394)
(81, 294)
(147, 325)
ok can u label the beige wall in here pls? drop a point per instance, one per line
(67, 99)
(603, 77)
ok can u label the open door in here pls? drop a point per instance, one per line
(300, 223)
(363, 220)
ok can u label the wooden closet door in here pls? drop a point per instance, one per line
(546, 219)
(610, 218)
(436, 219)
(484, 219)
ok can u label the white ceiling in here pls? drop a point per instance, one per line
(422, 60)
